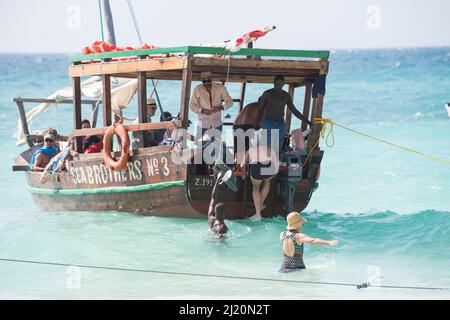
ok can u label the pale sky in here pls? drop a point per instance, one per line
(68, 25)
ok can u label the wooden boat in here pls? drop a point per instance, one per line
(154, 184)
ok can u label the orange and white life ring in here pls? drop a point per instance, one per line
(120, 130)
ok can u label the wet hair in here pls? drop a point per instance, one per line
(279, 77)
(220, 211)
(86, 121)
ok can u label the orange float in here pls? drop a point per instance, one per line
(120, 130)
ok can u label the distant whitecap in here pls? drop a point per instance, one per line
(418, 115)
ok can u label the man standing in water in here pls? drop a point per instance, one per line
(273, 103)
(217, 210)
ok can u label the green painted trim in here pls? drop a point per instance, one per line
(109, 190)
(205, 50)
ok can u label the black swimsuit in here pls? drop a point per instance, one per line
(295, 262)
(256, 170)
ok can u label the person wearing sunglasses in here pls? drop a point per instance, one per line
(208, 100)
(41, 158)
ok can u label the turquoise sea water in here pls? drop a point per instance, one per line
(390, 209)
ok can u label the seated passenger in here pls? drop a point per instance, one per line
(177, 134)
(137, 141)
(58, 163)
(43, 155)
(91, 144)
(160, 133)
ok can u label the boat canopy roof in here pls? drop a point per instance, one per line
(247, 65)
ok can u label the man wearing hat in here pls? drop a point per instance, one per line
(41, 158)
(208, 101)
(151, 110)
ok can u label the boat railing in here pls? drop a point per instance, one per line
(131, 128)
(33, 138)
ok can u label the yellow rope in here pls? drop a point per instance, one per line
(324, 122)
(322, 132)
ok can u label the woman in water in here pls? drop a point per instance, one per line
(292, 241)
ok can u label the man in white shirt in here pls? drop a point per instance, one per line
(207, 100)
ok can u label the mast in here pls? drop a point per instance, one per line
(110, 36)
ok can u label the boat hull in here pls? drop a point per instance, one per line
(154, 185)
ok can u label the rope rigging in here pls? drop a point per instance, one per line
(138, 32)
(345, 284)
(325, 121)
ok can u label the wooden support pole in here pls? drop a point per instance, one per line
(242, 99)
(186, 92)
(142, 97)
(23, 121)
(307, 103)
(77, 111)
(316, 113)
(107, 114)
(288, 114)
(142, 106)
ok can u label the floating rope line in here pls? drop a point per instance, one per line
(324, 122)
(359, 286)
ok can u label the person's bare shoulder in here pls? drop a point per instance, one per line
(300, 237)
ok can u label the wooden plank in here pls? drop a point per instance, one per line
(87, 157)
(107, 113)
(186, 92)
(34, 100)
(130, 128)
(288, 114)
(260, 66)
(115, 67)
(76, 87)
(314, 129)
(324, 65)
(16, 168)
(316, 113)
(307, 103)
(287, 67)
(38, 138)
(222, 76)
(23, 121)
(190, 50)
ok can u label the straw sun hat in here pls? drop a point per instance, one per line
(294, 220)
(207, 75)
(151, 101)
